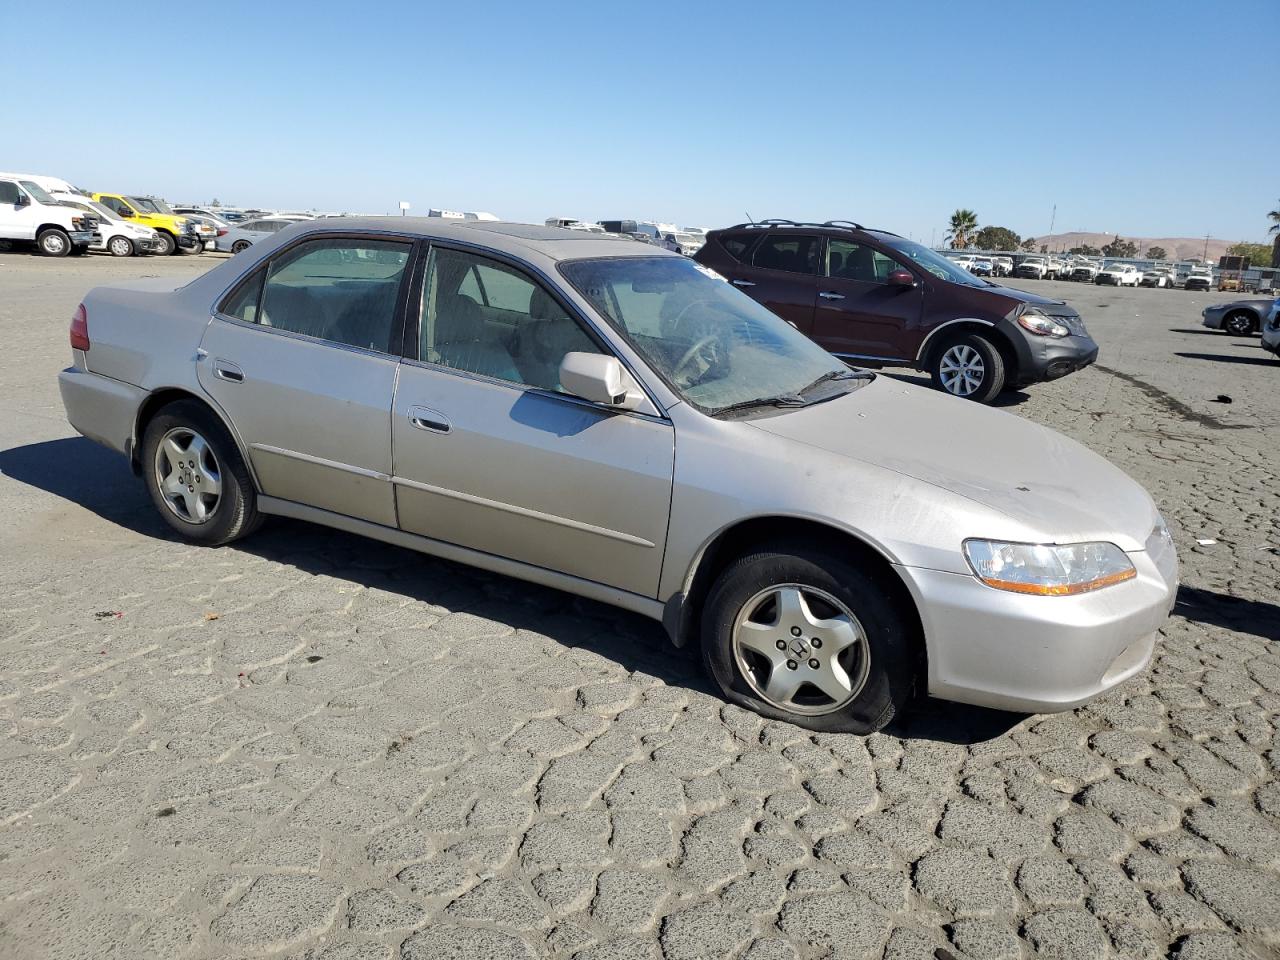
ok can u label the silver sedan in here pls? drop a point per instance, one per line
(241, 236)
(619, 422)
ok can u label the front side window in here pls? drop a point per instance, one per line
(119, 206)
(938, 265)
(482, 316)
(341, 290)
(781, 251)
(857, 261)
(38, 192)
(713, 344)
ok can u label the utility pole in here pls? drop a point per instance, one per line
(1053, 218)
(932, 234)
(1205, 256)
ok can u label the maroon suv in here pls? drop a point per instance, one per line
(876, 299)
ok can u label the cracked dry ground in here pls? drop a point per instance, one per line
(312, 746)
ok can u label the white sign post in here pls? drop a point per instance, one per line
(404, 205)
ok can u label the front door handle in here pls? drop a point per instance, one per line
(828, 295)
(226, 370)
(742, 283)
(424, 418)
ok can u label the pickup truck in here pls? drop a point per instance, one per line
(176, 233)
(29, 213)
(1037, 268)
(1200, 278)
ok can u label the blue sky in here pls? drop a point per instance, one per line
(1148, 119)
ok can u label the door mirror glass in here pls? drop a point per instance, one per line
(124, 211)
(598, 378)
(902, 278)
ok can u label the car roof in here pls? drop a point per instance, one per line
(519, 239)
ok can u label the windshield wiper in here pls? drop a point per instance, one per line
(782, 400)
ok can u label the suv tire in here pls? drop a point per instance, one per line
(219, 504)
(167, 244)
(868, 660)
(968, 366)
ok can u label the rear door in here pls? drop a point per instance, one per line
(782, 275)
(859, 313)
(302, 356)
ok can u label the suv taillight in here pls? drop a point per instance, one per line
(222, 232)
(80, 329)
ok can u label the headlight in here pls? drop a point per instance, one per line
(1036, 322)
(1047, 570)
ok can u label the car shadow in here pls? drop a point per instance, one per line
(100, 480)
(1234, 613)
(1228, 358)
(1201, 332)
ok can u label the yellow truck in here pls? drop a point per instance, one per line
(177, 233)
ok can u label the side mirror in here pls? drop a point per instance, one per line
(125, 212)
(902, 278)
(600, 379)
(22, 201)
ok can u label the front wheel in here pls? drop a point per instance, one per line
(167, 244)
(1238, 324)
(970, 367)
(120, 247)
(196, 476)
(53, 242)
(809, 638)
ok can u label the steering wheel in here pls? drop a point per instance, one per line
(690, 354)
(675, 322)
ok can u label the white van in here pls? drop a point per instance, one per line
(28, 212)
(116, 235)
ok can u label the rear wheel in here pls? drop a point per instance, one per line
(969, 366)
(53, 242)
(240, 246)
(1238, 324)
(802, 636)
(196, 476)
(120, 247)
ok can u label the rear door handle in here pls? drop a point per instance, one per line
(424, 418)
(226, 370)
(828, 295)
(742, 283)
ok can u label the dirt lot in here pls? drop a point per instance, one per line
(309, 745)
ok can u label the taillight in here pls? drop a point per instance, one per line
(222, 233)
(80, 329)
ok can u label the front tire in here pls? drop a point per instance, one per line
(167, 244)
(847, 661)
(196, 476)
(1238, 324)
(121, 247)
(969, 366)
(53, 242)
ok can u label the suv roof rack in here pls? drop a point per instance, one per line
(828, 224)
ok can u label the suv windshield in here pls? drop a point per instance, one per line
(37, 192)
(150, 205)
(935, 263)
(714, 345)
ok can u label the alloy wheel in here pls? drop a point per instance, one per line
(962, 370)
(1239, 324)
(800, 649)
(188, 475)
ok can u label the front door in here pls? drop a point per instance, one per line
(302, 356)
(491, 454)
(17, 220)
(783, 276)
(859, 313)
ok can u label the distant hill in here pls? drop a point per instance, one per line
(1178, 248)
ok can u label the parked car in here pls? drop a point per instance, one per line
(870, 296)
(1156, 278)
(177, 234)
(28, 213)
(1271, 330)
(1119, 274)
(510, 397)
(245, 234)
(982, 267)
(1033, 268)
(114, 234)
(1199, 278)
(1085, 271)
(1238, 317)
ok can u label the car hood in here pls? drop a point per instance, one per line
(1053, 487)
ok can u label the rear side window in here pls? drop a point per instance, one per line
(781, 251)
(9, 191)
(737, 245)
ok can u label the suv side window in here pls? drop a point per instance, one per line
(341, 290)
(482, 316)
(118, 205)
(9, 192)
(855, 261)
(786, 251)
(737, 245)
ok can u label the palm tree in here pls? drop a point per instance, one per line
(1274, 217)
(964, 224)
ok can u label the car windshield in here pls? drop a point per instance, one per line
(935, 263)
(714, 345)
(37, 192)
(150, 205)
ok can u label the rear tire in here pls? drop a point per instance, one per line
(968, 366)
(866, 668)
(196, 476)
(53, 242)
(167, 244)
(240, 246)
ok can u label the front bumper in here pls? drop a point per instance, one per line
(83, 237)
(1212, 318)
(190, 241)
(1030, 654)
(1271, 340)
(102, 409)
(1048, 358)
(1197, 285)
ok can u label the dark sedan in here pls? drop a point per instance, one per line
(1238, 318)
